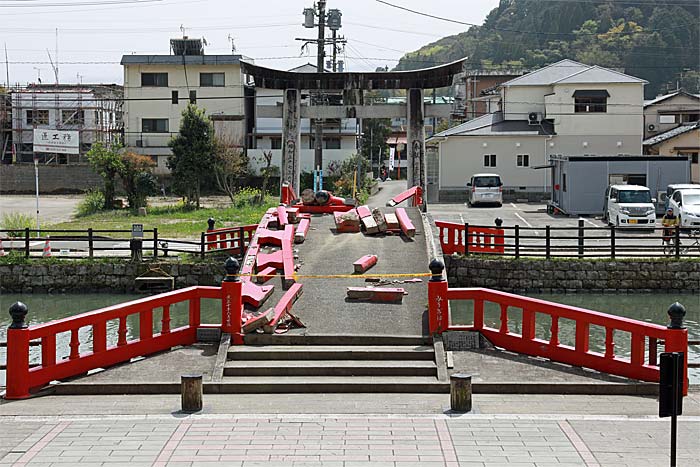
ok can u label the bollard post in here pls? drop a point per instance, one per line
(466, 239)
(461, 392)
(232, 302)
(17, 374)
(210, 227)
(438, 314)
(191, 393)
(677, 340)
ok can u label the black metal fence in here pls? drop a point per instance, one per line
(570, 242)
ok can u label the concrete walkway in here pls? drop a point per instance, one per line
(223, 435)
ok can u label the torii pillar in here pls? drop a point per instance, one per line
(415, 140)
(291, 139)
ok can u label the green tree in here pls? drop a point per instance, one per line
(192, 161)
(137, 179)
(107, 162)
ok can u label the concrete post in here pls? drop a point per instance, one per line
(416, 140)
(291, 139)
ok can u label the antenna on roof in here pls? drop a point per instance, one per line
(204, 40)
(53, 67)
(183, 30)
(232, 39)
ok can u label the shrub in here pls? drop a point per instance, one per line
(93, 202)
(247, 196)
(17, 221)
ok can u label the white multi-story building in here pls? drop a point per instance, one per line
(566, 108)
(157, 88)
(93, 112)
(339, 135)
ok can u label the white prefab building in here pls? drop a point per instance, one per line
(566, 108)
(339, 135)
(157, 88)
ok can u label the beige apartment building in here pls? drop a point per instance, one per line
(157, 88)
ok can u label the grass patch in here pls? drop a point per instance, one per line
(172, 221)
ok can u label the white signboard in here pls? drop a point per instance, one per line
(58, 141)
(391, 158)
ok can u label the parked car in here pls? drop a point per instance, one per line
(686, 205)
(629, 206)
(676, 187)
(485, 188)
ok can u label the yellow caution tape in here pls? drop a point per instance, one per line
(337, 276)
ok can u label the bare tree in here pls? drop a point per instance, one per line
(230, 164)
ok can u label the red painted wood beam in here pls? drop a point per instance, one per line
(265, 275)
(364, 263)
(284, 305)
(406, 225)
(255, 295)
(302, 230)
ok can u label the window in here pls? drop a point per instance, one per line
(154, 125)
(154, 79)
(211, 80)
(37, 117)
(73, 117)
(276, 143)
(688, 118)
(593, 101)
(634, 196)
(489, 160)
(193, 97)
(332, 143)
(667, 119)
(523, 160)
(175, 97)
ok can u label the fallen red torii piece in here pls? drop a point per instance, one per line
(415, 192)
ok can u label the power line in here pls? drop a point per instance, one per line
(32, 4)
(543, 33)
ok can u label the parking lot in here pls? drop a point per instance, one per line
(533, 219)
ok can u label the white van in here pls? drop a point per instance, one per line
(629, 206)
(485, 188)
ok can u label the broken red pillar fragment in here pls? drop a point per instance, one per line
(283, 307)
(406, 225)
(364, 263)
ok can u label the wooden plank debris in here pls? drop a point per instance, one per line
(379, 219)
(284, 305)
(376, 294)
(392, 222)
(347, 222)
(302, 230)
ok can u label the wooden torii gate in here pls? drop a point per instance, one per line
(352, 85)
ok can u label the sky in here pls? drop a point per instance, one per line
(104, 30)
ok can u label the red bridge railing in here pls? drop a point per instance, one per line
(480, 240)
(23, 378)
(234, 240)
(641, 364)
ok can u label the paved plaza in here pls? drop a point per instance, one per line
(413, 430)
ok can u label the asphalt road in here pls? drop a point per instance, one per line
(52, 209)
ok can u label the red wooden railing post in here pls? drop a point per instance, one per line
(232, 302)
(676, 338)
(17, 373)
(438, 311)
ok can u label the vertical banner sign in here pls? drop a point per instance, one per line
(392, 151)
(56, 141)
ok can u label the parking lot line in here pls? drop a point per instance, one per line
(589, 222)
(526, 223)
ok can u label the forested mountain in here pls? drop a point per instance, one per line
(658, 40)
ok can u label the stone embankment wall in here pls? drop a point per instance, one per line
(96, 276)
(19, 179)
(559, 276)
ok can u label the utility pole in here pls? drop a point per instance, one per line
(318, 18)
(320, 55)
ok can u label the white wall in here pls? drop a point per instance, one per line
(136, 110)
(519, 101)
(461, 157)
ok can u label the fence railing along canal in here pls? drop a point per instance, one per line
(572, 242)
(89, 243)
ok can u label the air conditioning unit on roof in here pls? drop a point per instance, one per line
(534, 118)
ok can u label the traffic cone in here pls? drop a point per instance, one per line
(47, 248)
(2, 249)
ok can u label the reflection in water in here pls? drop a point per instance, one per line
(643, 307)
(44, 308)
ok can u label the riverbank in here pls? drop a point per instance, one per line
(527, 276)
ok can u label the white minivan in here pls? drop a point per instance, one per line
(485, 188)
(629, 206)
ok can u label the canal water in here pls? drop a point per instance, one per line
(645, 307)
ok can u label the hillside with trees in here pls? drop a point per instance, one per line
(658, 40)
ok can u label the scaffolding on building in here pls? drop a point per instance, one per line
(94, 111)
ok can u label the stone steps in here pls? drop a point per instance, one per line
(330, 368)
